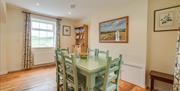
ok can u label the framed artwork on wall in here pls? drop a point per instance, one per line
(66, 30)
(114, 31)
(167, 19)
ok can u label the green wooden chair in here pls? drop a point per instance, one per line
(103, 54)
(92, 52)
(65, 51)
(60, 70)
(71, 73)
(109, 81)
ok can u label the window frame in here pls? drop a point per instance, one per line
(45, 30)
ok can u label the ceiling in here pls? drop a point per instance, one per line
(60, 8)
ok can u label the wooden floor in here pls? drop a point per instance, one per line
(42, 79)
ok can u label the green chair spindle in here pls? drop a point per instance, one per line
(92, 52)
(60, 70)
(71, 72)
(111, 76)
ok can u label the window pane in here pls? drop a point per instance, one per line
(35, 33)
(50, 38)
(43, 26)
(50, 26)
(43, 34)
(50, 34)
(46, 39)
(35, 38)
(40, 36)
(35, 25)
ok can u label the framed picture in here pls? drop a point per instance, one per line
(66, 30)
(167, 19)
(114, 31)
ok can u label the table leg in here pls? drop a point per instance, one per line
(64, 83)
(152, 84)
(90, 82)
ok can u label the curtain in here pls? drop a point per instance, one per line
(176, 86)
(58, 32)
(2, 11)
(28, 59)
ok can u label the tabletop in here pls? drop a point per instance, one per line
(91, 64)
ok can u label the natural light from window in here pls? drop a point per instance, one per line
(42, 33)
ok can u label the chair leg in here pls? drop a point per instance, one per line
(57, 80)
(62, 89)
(58, 88)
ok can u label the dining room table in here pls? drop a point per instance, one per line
(91, 67)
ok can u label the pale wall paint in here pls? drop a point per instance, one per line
(68, 41)
(3, 67)
(83, 21)
(14, 35)
(161, 45)
(134, 52)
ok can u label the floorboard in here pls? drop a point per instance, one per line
(42, 79)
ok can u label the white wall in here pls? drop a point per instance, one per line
(161, 45)
(68, 41)
(86, 21)
(134, 52)
(14, 35)
(3, 67)
(14, 38)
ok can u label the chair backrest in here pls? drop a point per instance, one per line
(60, 69)
(92, 52)
(112, 74)
(59, 61)
(71, 71)
(65, 51)
(103, 54)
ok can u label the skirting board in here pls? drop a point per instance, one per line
(3, 72)
(34, 67)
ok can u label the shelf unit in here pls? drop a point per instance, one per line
(81, 40)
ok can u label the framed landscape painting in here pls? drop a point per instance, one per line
(167, 19)
(114, 31)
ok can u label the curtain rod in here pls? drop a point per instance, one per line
(41, 15)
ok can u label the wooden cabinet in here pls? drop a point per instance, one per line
(81, 42)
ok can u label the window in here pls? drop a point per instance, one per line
(42, 33)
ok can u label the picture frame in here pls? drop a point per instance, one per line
(114, 31)
(167, 19)
(66, 30)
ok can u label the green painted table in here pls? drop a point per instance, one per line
(90, 68)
